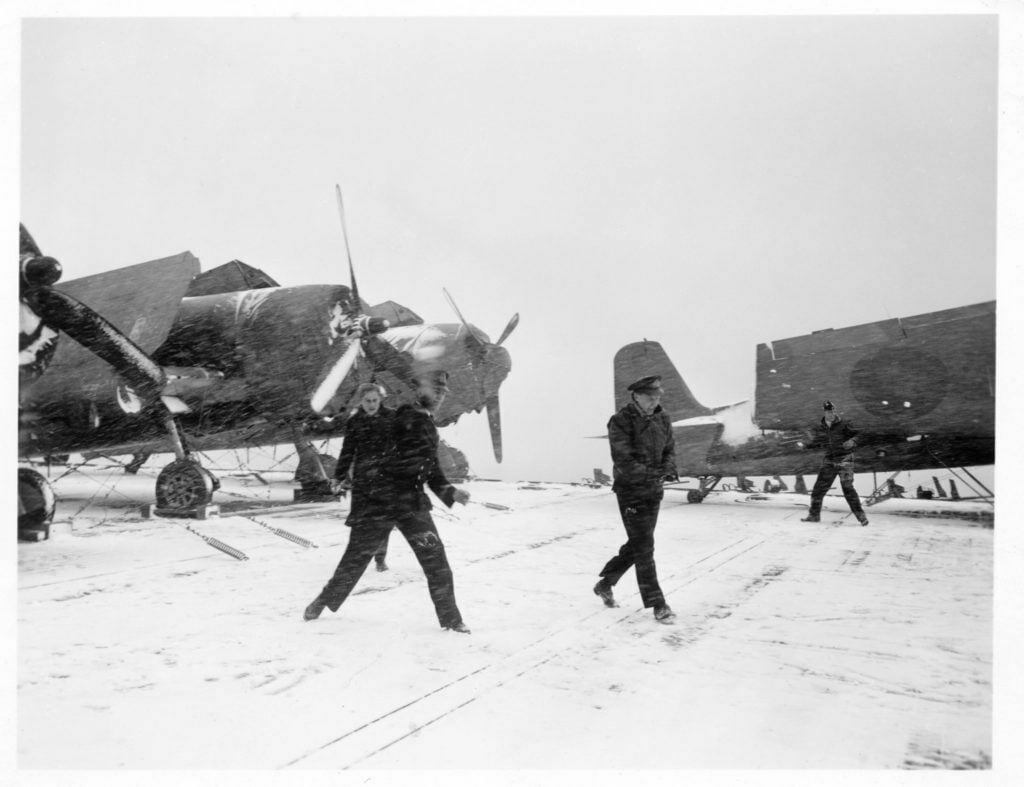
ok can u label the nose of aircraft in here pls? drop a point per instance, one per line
(491, 364)
(496, 366)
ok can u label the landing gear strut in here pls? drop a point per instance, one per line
(184, 488)
(314, 472)
(707, 483)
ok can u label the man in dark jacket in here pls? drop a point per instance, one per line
(839, 439)
(413, 464)
(643, 456)
(361, 466)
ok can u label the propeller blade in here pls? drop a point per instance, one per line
(512, 323)
(356, 303)
(335, 377)
(381, 355)
(494, 421)
(385, 358)
(96, 334)
(474, 332)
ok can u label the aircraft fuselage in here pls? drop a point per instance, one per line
(241, 368)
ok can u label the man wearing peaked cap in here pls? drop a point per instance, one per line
(643, 456)
(648, 384)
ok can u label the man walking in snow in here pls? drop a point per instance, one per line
(361, 466)
(414, 464)
(840, 441)
(643, 456)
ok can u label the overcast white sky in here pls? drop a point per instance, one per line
(707, 182)
(693, 180)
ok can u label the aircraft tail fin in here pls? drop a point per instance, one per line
(639, 359)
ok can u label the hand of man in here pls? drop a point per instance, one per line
(461, 496)
(339, 487)
(800, 444)
(849, 444)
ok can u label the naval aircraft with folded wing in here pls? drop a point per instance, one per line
(921, 390)
(161, 357)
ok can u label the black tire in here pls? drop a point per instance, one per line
(184, 485)
(36, 500)
(694, 496)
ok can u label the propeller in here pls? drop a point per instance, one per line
(494, 423)
(61, 312)
(494, 361)
(512, 323)
(357, 304)
(364, 339)
(472, 330)
(475, 332)
(336, 375)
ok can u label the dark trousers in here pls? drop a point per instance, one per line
(382, 550)
(366, 538)
(639, 519)
(830, 468)
(359, 504)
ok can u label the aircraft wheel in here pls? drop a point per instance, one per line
(694, 496)
(183, 485)
(36, 501)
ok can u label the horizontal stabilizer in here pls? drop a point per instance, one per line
(723, 407)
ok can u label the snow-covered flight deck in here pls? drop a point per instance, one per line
(797, 645)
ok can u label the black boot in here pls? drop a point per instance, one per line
(811, 518)
(604, 590)
(664, 614)
(314, 609)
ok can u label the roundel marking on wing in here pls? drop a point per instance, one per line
(899, 383)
